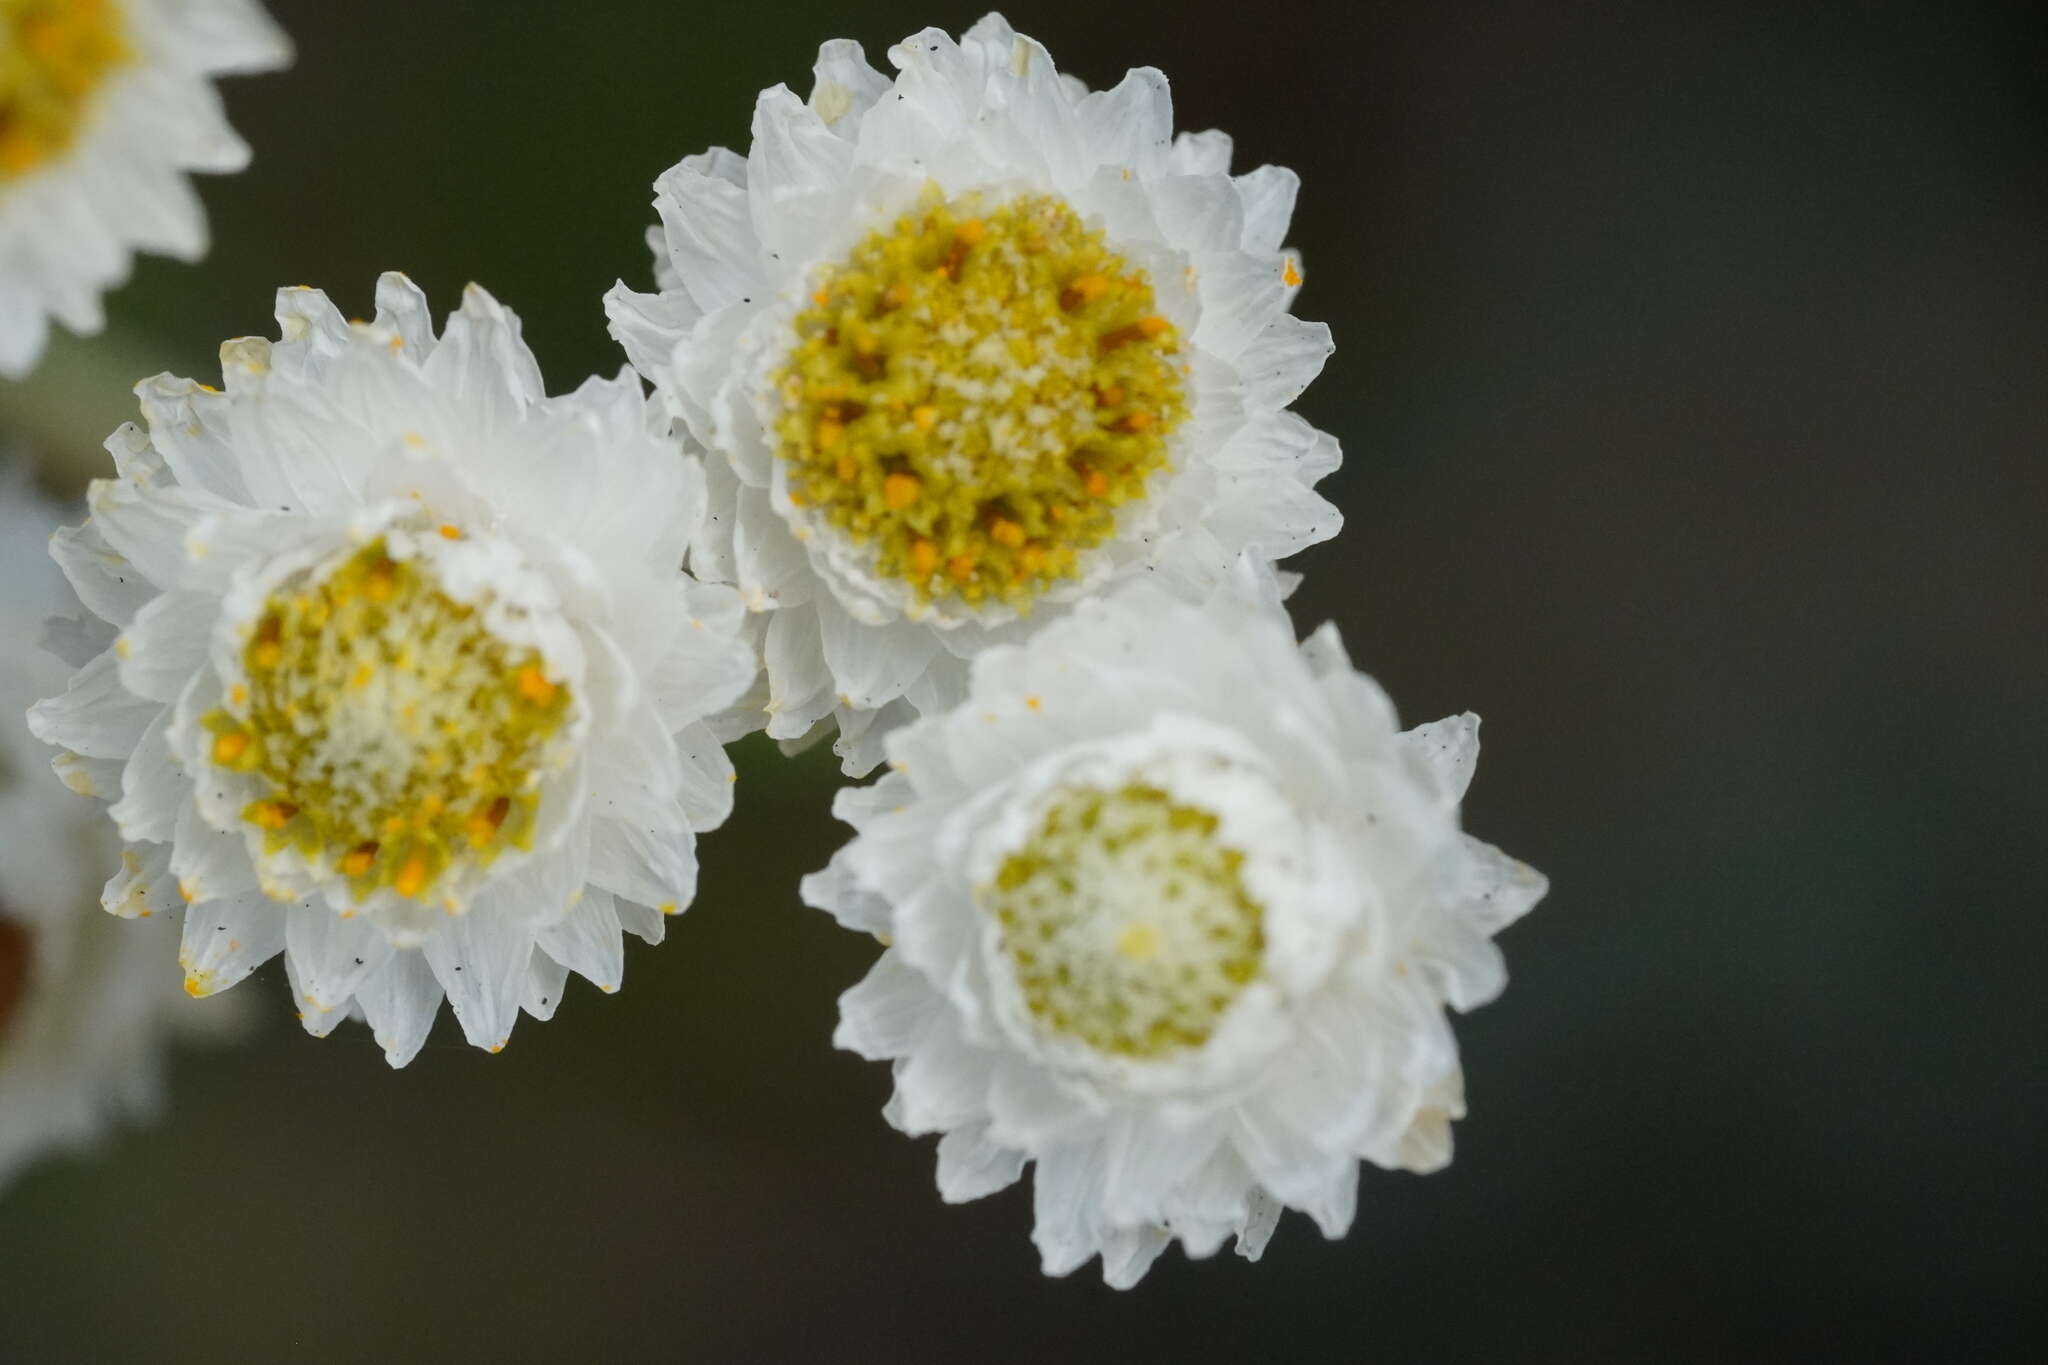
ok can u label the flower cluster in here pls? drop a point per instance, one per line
(957, 426)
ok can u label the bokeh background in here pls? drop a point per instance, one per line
(1690, 376)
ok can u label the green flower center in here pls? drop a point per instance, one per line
(1127, 921)
(54, 56)
(398, 737)
(974, 392)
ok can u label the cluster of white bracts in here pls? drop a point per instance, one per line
(1174, 910)
(564, 521)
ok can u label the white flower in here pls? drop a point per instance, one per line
(409, 681)
(86, 1009)
(974, 344)
(1175, 912)
(104, 107)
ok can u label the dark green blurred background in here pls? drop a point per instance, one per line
(1690, 375)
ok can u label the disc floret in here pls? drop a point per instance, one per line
(395, 737)
(1126, 921)
(974, 392)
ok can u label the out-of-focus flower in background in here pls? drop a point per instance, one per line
(398, 671)
(970, 345)
(1174, 911)
(87, 1005)
(105, 105)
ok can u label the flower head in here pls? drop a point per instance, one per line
(1174, 912)
(972, 345)
(409, 681)
(104, 106)
(87, 1006)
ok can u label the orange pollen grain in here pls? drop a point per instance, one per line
(412, 878)
(900, 490)
(274, 814)
(960, 568)
(534, 685)
(358, 861)
(1084, 289)
(230, 747)
(924, 557)
(1006, 533)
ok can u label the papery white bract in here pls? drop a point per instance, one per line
(87, 1005)
(971, 345)
(1175, 911)
(105, 106)
(409, 682)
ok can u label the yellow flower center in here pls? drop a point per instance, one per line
(397, 736)
(16, 950)
(974, 392)
(54, 56)
(1127, 921)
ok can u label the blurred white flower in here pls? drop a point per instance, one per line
(971, 345)
(87, 1005)
(1175, 912)
(409, 681)
(105, 105)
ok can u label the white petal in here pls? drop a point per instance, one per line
(970, 1166)
(1127, 1253)
(587, 941)
(1283, 360)
(941, 1085)
(144, 886)
(333, 955)
(708, 230)
(1261, 1217)
(545, 981)
(315, 1020)
(799, 683)
(644, 922)
(153, 788)
(111, 587)
(652, 866)
(166, 644)
(225, 940)
(400, 1000)
(96, 716)
(1268, 194)
(1447, 752)
(1067, 1207)
(871, 665)
(480, 959)
(207, 862)
(888, 1013)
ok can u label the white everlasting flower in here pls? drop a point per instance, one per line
(1175, 910)
(409, 682)
(87, 1005)
(974, 344)
(105, 105)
